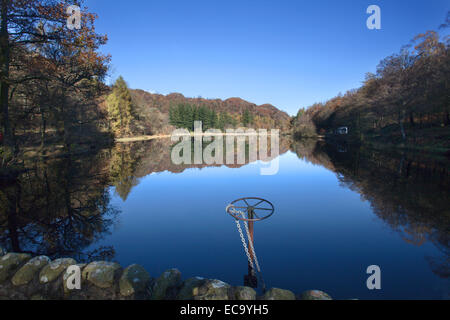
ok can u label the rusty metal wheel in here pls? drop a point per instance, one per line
(251, 209)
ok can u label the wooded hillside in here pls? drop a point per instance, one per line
(236, 111)
(406, 102)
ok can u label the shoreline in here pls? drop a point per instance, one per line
(23, 277)
(167, 136)
(384, 147)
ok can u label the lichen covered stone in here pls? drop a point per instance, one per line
(135, 280)
(54, 269)
(9, 264)
(212, 290)
(278, 294)
(102, 274)
(315, 295)
(169, 279)
(243, 293)
(187, 289)
(29, 270)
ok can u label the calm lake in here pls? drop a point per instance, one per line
(338, 210)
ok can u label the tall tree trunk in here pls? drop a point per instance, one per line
(411, 119)
(43, 128)
(401, 120)
(65, 124)
(4, 78)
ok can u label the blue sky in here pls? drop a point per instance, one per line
(286, 53)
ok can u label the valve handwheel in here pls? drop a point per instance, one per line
(251, 209)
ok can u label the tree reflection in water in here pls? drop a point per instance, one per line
(407, 191)
(62, 207)
(58, 208)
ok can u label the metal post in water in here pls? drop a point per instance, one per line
(265, 210)
(251, 280)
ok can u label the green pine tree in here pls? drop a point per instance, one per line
(246, 118)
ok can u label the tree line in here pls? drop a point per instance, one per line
(184, 115)
(406, 100)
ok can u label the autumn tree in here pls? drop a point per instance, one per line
(398, 104)
(22, 26)
(120, 108)
(48, 69)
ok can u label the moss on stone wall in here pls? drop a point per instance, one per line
(25, 278)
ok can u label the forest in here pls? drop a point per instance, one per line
(128, 115)
(406, 103)
(184, 116)
(51, 78)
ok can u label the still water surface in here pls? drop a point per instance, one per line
(337, 211)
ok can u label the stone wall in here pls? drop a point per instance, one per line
(23, 277)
